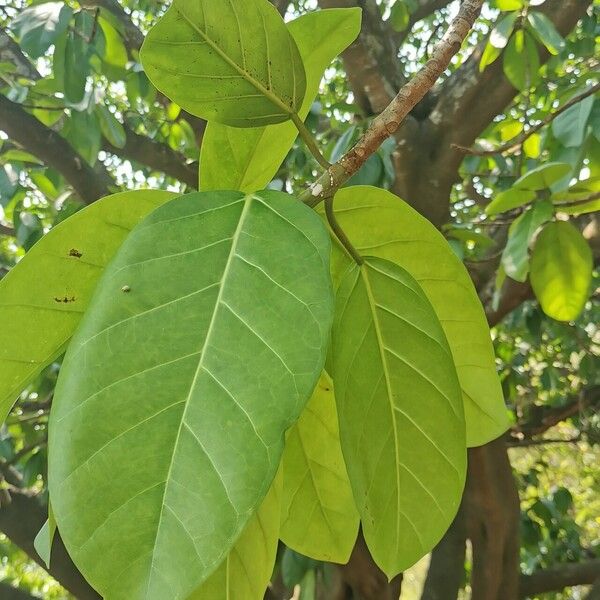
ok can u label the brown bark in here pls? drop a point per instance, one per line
(559, 577)
(8, 592)
(492, 505)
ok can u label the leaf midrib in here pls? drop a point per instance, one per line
(261, 88)
(232, 253)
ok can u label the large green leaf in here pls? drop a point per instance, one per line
(319, 516)
(43, 298)
(245, 573)
(381, 224)
(542, 177)
(515, 258)
(570, 127)
(401, 416)
(561, 270)
(522, 61)
(247, 159)
(204, 340)
(232, 62)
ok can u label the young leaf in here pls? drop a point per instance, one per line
(544, 29)
(245, 573)
(393, 371)
(522, 61)
(541, 178)
(509, 4)
(319, 516)
(38, 26)
(509, 199)
(231, 62)
(380, 224)
(515, 257)
(44, 296)
(561, 271)
(570, 127)
(247, 159)
(208, 333)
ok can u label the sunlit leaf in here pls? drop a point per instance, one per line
(231, 62)
(543, 28)
(211, 327)
(43, 298)
(543, 177)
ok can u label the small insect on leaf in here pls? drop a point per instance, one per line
(126, 289)
(75, 253)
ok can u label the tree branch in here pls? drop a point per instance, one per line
(8, 592)
(4, 230)
(10, 52)
(385, 125)
(559, 577)
(155, 155)
(55, 151)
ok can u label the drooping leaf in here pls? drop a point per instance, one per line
(543, 28)
(231, 62)
(45, 537)
(245, 573)
(501, 33)
(37, 27)
(77, 53)
(509, 199)
(393, 370)
(542, 177)
(522, 61)
(515, 257)
(319, 516)
(570, 127)
(44, 296)
(380, 224)
(247, 159)
(561, 270)
(211, 325)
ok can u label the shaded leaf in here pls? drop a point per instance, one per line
(543, 28)
(231, 62)
(44, 296)
(561, 270)
(380, 224)
(45, 537)
(570, 127)
(522, 61)
(393, 370)
(319, 517)
(110, 127)
(509, 199)
(225, 300)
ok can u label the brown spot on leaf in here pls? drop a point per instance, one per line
(64, 299)
(75, 253)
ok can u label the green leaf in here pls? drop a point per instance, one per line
(543, 28)
(501, 33)
(114, 57)
(319, 517)
(110, 127)
(509, 199)
(231, 62)
(245, 573)
(515, 258)
(542, 177)
(532, 146)
(489, 55)
(399, 16)
(44, 296)
(561, 270)
(38, 26)
(509, 4)
(580, 208)
(43, 540)
(247, 159)
(211, 325)
(380, 224)
(570, 127)
(77, 53)
(522, 61)
(393, 371)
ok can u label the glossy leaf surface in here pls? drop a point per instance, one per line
(393, 370)
(208, 332)
(232, 62)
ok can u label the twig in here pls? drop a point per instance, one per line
(388, 122)
(310, 141)
(517, 142)
(339, 232)
(5, 230)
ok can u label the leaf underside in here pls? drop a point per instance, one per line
(393, 372)
(43, 298)
(207, 333)
(231, 61)
(247, 159)
(380, 224)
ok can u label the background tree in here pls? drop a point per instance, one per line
(81, 120)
